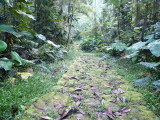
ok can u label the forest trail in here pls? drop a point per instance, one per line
(90, 90)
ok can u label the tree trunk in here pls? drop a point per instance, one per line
(137, 12)
(145, 21)
(155, 12)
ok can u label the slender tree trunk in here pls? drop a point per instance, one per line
(95, 19)
(70, 26)
(155, 7)
(69, 10)
(137, 12)
(145, 21)
(119, 13)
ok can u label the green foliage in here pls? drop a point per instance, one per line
(152, 65)
(154, 47)
(90, 43)
(137, 46)
(3, 45)
(115, 48)
(16, 58)
(6, 64)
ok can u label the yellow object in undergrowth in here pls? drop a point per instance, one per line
(24, 75)
(12, 80)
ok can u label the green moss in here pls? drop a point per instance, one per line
(113, 106)
(47, 102)
(141, 112)
(71, 83)
(61, 82)
(133, 96)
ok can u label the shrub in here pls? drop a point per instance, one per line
(90, 43)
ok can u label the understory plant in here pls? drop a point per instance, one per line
(90, 43)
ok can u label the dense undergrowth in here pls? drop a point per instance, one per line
(18, 96)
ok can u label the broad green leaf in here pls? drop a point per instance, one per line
(156, 83)
(9, 2)
(16, 58)
(154, 47)
(149, 37)
(6, 64)
(40, 36)
(138, 29)
(26, 34)
(143, 82)
(4, 26)
(3, 45)
(152, 65)
(137, 46)
(25, 14)
(11, 31)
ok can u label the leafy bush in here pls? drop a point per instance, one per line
(150, 47)
(90, 43)
(115, 48)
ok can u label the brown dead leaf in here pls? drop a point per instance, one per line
(74, 78)
(30, 70)
(78, 89)
(125, 109)
(109, 86)
(82, 112)
(146, 74)
(38, 107)
(46, 118)
(77, 97)
(103, 101)
(124, 99)
(78, 103)
(110, 114)
(59, 105)
(119, 91)
(67, 113)
(120, 114)
(117, 100)
(27, 107)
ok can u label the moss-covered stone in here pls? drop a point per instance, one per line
(47, 103)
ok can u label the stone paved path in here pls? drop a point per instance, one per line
(90, 90)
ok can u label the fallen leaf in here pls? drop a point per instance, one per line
(38, 107)
(67, 113)
(78, 89)
(30, 70)
(12, 80)
(117, 100)
(124, 99)
(59, 105)
(110, 114)
(27, 107)
(24, 75)
(125, 109)
(119, 91)
(78, 103)
(81, 111)
(46, 118)
(103, 101)
(77, 97)
(146, 74)
(109, 86)
(120, 114)
(74, 78)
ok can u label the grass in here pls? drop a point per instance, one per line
(131, 72)
(14, 98)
